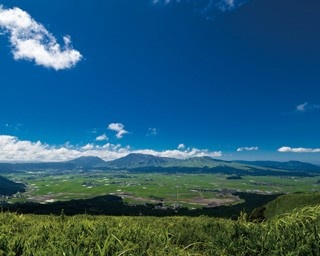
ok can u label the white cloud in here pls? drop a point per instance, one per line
(306, 106)
(181, 146)
(31, 41)
(88, 147)
(102, 137)
(194, 152)
(14, 150)
(298, 150)
(247, 149)
(119, 128)
(225, 5)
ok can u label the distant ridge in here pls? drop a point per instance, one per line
(147, 163)
(290, 165)
(6, 168)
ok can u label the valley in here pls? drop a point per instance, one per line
(191, 190)
(166, 183)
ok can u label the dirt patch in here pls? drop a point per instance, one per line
(211, 202)
(136, 198)
(199, 201)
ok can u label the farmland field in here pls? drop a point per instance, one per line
(190, 190)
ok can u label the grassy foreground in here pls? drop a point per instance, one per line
(296, 233)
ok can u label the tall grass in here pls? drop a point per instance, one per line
(296, 233)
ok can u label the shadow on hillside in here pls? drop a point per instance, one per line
(113, 205)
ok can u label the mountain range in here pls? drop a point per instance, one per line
(147, 162)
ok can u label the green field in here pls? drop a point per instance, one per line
(191, 190)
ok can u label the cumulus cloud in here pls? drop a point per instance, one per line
(298, 150)
(193, 152)
(31, 41)
(14, 150)
(119, 128)
(306, 107)
(102, 137)
(181, 146)
(247, 149)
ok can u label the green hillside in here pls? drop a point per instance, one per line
(293, 234)
(290, 203)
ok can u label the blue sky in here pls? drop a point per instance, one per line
(228, 79)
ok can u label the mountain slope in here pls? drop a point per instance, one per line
(8, 187)
(87, 161)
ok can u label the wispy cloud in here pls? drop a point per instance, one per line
(119, 128)
(298, 150)
(207, 6)
(247, 149)
(31, 41)
(16, 127)
(14, 150)
(102, 137)
(152, 132)
(307, 107)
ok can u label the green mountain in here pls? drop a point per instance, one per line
(150, 163)
(8, 187)
(133, 160)
(147, 163)
(87, 162)
(141, 160)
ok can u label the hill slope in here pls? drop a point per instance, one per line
(8, 187)
(107, 235)
(290, 203)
